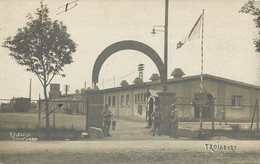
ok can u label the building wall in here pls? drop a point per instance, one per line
(133, 108)
(223, 93)
(139, 106)
(185, 91)
(233, 112)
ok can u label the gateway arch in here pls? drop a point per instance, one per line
(128, 45)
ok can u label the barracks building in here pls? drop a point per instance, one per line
(137, 101)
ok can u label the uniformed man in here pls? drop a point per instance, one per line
(157, 120)
(223, 116)
(107, 114)
(174, 122)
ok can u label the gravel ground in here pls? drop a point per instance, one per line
(130, 143)
(175, 151)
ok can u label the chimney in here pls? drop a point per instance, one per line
(177, 73)
(138, 81)
(155, 77)
(124, 83)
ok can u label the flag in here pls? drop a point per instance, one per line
(194, 33)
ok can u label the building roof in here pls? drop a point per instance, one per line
(155, 76)
(195, 77)
(207, 76)
(124, 83)
(138, 80)
(177, 72)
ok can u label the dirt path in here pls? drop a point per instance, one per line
(131, 142)
(127, 152)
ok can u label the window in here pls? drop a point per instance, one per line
(236, 101)
(135, 98)
(122, 100)
(127, 100)
(109, 101)
(141, 97)
(114, 100)
(138, 98)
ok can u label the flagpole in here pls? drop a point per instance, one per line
(201, 75)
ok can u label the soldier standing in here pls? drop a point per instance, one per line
(174, 122)
(157, 120)
(107, 114)
(223, 116)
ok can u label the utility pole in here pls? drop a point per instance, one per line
(30, 94)
(166, 44)
(165, 65)
(87, 114)
(66, 89)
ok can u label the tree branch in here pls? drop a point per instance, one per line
(39, 77)
(51, 78)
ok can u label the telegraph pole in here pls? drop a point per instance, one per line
(166, 44)
(165, 64)
(30, 90)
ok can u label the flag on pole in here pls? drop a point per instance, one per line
(194, 33)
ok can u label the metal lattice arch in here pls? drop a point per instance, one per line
(128, 45)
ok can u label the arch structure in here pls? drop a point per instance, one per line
(128, 45)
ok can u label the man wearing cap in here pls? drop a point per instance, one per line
(223, 116)
(107, 114)
(174, 122)
(157, 120)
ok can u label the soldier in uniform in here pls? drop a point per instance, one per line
(174, 122)
(223, 116)
(107, 114)
(157, 120)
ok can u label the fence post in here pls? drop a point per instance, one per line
(53, 106)
(39, 112)
(257, 117)
(213, 111)
(201, 115)
(87, 115)
(256, 104)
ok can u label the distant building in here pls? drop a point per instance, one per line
(20, 104)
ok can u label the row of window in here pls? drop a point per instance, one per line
(113, 101)
(141, 98)
(125, 99)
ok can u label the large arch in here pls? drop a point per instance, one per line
(128, 45)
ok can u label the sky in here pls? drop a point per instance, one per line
(94, 25)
